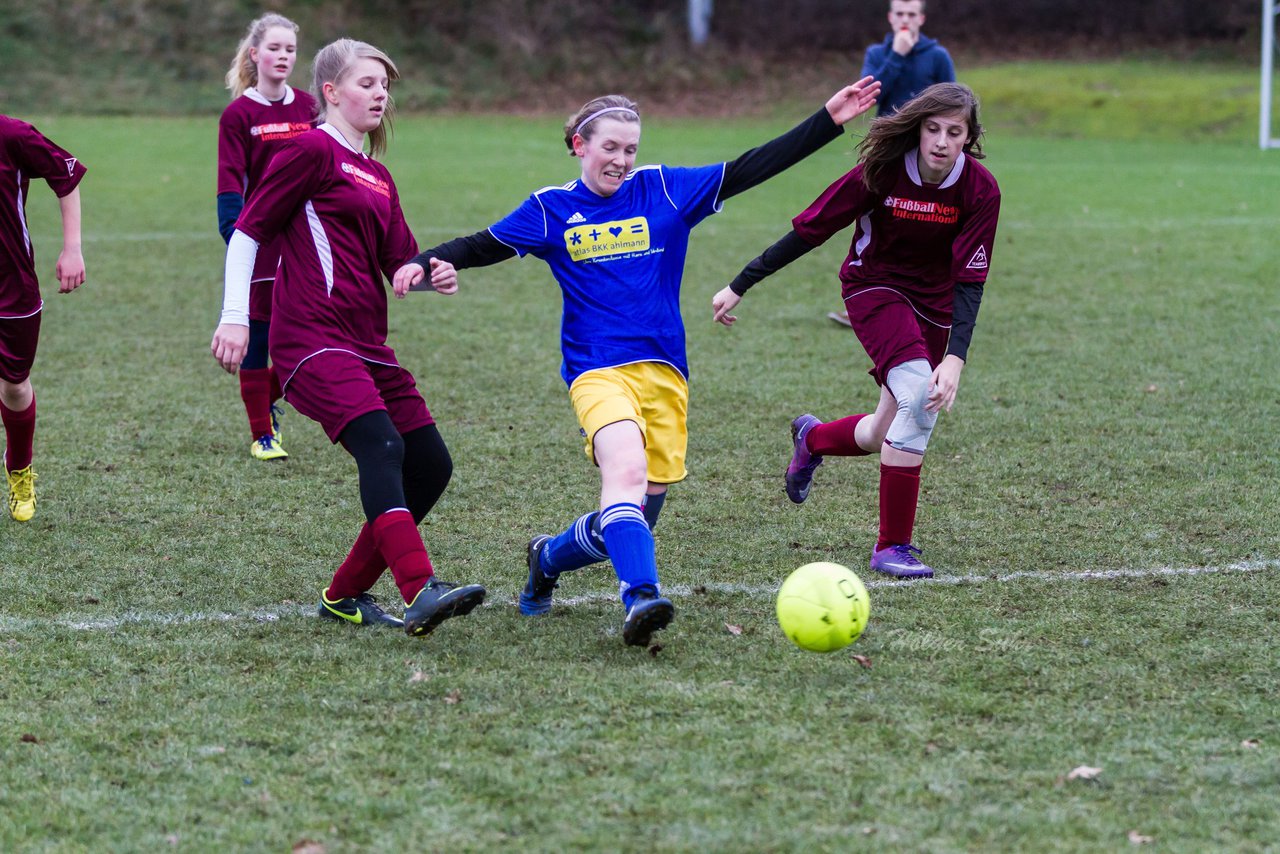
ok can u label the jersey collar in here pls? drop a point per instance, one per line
(913, 169)
(254, 95)
(342, 140)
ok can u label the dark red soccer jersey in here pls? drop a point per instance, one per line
(338, 215)
(25, 154)
(919, 239)
(250, 132)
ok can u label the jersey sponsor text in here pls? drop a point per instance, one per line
(922, 211)
(279, 130)
(607, 239)
(367, 180)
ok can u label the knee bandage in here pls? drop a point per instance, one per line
(909, 383)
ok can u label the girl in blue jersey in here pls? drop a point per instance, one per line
(615, 240)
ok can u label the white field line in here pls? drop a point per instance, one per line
(20, 625)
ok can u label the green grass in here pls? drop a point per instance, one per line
(1115, 415)
(1134, 98)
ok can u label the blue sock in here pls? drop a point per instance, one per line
(577, 546)
(630, 544)
(652, 506)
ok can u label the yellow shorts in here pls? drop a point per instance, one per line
(654, 396)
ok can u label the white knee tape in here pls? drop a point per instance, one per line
(912, 426)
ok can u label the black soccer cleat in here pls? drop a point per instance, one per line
(535, 599)
(437, 602)
(362, 610)
(649, 613)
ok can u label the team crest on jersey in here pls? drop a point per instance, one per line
(979, 260)
(575, 219)
(368, 180)
(71, 165)
(607, 239)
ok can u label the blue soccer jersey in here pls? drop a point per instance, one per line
(619, 261)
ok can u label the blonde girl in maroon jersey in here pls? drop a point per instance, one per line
(924, 213)
(265, 113)
(336, 211)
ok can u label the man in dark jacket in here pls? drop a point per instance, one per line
(906, 62)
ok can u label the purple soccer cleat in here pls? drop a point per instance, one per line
(900, 561)
(803, 464)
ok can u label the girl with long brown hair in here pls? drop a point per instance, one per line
(924, 213)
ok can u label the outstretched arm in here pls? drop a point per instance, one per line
(763, 162)
(787, 249)
(475, 250)
(70, 266)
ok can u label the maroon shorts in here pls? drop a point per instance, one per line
(18, 339)
(334, 388)
(892, 332)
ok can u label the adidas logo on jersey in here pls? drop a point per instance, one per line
(575, 219)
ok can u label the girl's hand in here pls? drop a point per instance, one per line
(723, 303)
(444, 277)
(853, 100)
(944, 383)
(230, 343)
(406, 277)
(69, 270)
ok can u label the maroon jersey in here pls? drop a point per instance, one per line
(26, 154)
(338, 215)
(250, 132)
(918, 239)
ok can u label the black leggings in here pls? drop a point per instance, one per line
(397, 471)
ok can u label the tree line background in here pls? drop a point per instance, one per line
(167, 55)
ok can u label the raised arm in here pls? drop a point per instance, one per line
(763, 162)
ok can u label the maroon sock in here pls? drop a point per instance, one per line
(276, 391)
(835, 438)
(20, 435)
(401, 544)
(255, 391)
(899, 494)
(362, 568)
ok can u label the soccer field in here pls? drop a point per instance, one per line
(1101, 508)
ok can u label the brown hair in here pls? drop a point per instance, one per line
(332, 64)
(890, 137)
(584, 121)
(243, 72)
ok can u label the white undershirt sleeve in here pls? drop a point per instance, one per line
(242, 252)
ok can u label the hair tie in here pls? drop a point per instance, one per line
(598, 113)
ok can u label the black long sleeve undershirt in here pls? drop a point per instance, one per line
(474, 250)
(964, 315)
(790, 247)
(764, 161)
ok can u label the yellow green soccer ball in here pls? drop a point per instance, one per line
(823, 607)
